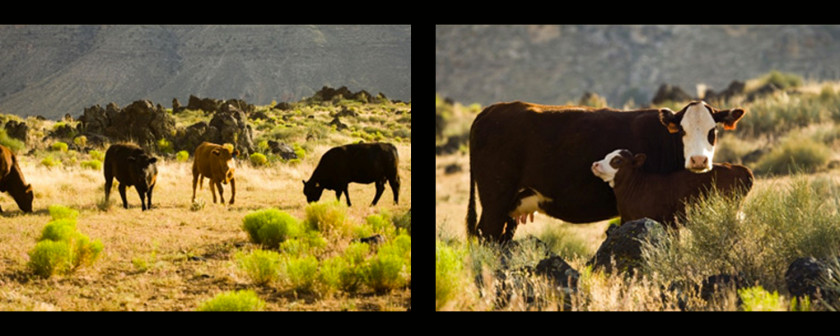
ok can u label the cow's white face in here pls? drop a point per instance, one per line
(699, 137)
(606, 168)
(696, 125)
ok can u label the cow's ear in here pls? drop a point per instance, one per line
(216, 152)
(639, 159)
(670, 120)
(729, 117)
(304, 182)
(153, 160)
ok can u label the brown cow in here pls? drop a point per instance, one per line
(12, 181)
(216, 163)
(519, 146)
(132, 167)
(662, 197)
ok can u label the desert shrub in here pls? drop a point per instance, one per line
(92, 164)
(49, 257)
(794, 153)
(97, 155)
(80, 141)
(730, 148)
(60, 211)
(165, 146)
(385, 272)
(403, 221)
(309, 243)
(334, 273)
(563, 242)
(86, 251)
(449, 274)
(243, 300)
(299, 151)
(328, 217)
(258, 160)
(356, 253)
(758, 299)
(62, 229)
(263, 267)
(270, 227)
(50, 162)
(182, 156)
(14, 144)
(782, 80)
(301, 272)
(381, 223)
(58, 146)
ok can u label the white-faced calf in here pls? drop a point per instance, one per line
(662, 197)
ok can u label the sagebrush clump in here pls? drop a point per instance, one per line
(61, 249)
(263, 267)
(270, 227)
(328, 218)
(243, 300)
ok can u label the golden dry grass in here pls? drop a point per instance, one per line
(171, 258)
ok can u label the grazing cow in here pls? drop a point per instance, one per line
(12, 181)
(132, 167)
(549, 149)
(214, 162)
(359, 163)
(662, 197)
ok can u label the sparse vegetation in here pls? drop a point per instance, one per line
(270, 227)
(243, 300)
(263, 267)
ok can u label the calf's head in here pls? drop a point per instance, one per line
(224, 161)
(143, 169)
(696, 124)
(619, 159)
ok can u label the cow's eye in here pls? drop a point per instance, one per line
(712, 136)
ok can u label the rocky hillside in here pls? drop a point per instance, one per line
(56, 70)
(558, 64)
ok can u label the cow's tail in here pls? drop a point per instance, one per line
(471, 215)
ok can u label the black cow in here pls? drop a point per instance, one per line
(132, 167)
(519, 146)
(359, 163)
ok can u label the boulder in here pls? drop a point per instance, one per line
(669, 92)
(17, 129)
(283, 106)
(140, 122)
(233, 127)
(807, 276)
(204, 104)
(735, 88)
(559, 272)
(338, 124)
(623, 247)
(285, 151)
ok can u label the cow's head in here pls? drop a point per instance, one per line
(696, 124)
(312, 190)
(608, 167)
(24, 201)
(143, 168)
(224, 160)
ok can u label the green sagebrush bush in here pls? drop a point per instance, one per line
(263, 267)
(61, 249)
(346, 272)
(390, 268)
(270, 227)
(96, 155)
(449, 270)
(92, 164)
(258, 159)
(310, 242)
(794, 153)
(328, 217)
(301, 272)
(758, 299)
(182, 156)
(242, 300)
(59, 146)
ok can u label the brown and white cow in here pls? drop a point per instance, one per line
(663, 197)
(214, 162)
(12, 181)
(549, 149)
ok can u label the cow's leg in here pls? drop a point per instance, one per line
(338, 194)
(213, 190)
(395, 187)
(122, 194)
(495, 223)
(195, 181)
(510, 229)
(109, 180)
(346, 195)
(142, 195)
(221, 195)
(232, 189)
(380, 187)
(149, 197)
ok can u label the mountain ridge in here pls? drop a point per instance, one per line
(58, 70)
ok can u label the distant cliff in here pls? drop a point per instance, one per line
(558, 64)
(57, 69)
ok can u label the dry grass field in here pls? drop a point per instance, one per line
(172, 258)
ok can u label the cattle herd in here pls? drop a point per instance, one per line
(527, 158)
(132, 166)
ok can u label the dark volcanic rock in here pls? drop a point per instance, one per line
(669, 92)
(808, 276)
(623, 247)
(140, 122)
(17, 129)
